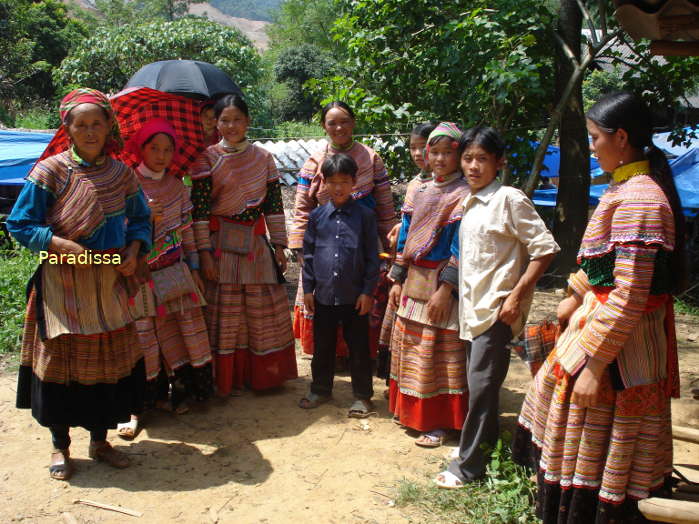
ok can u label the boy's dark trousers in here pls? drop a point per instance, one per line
(356, 333)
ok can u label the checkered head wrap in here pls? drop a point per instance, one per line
(86, 95)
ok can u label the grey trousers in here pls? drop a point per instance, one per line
(488, 362)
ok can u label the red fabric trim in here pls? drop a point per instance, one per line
(258, 372)
(427, 414)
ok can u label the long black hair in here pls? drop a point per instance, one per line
(236, 101)
(335, 103)
(624, 110)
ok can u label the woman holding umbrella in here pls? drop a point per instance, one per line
(237, 201)
(81, 362)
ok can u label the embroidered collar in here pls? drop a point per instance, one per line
(147, 172)
(84, 163)
(234, 148)
(623, 173)
(342, 148)
(441, 181)
(424, 176)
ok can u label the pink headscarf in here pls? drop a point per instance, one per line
(147, 130)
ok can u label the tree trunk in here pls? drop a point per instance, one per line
(574, 182)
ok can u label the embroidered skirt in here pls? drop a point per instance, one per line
(594, 463)
(250, 335)
(91, 381)
(428, 376)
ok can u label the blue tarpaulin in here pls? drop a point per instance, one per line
(18, 153)
(685, 170)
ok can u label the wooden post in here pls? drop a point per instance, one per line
(669, 510)
(667, 48)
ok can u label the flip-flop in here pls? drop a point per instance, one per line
(128, 430)
(312, 401)
(447, 480)
(361, 409)
(431, 439)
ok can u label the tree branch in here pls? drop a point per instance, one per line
(588, 21)
(578, 70)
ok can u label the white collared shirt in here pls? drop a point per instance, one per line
(500, 232)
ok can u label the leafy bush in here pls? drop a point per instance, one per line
(16, 267)
(111, 55)
(506, 495)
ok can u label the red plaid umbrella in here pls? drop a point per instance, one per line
(135, 106)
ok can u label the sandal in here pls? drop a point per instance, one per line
(361, 409)
(104, 452)
(61, 467)
(167, 405)
(447, 480)
(128, 430)
(431, 439)
(313, 400)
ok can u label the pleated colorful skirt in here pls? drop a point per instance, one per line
(250, 335)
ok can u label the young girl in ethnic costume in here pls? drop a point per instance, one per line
(596, 421)
(172, 333)
(418, 143)
(372, 189)
(81, 361)
(428, 360)
(237, 200)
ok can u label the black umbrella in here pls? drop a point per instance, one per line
(185, 77)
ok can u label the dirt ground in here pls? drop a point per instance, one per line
(256, 458)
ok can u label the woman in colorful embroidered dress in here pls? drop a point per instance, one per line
(427, 389)
(372, 189)
(173, 332)
(81, 361)
(237, 200)
(596, 421)
(386, 318)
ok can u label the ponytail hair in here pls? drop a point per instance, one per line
(624, 110)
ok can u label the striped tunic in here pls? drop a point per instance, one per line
(630, 228)
(372, 189)
(177, 335)
(91, 372)
(595, 463)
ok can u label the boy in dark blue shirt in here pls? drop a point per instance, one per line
(340, 271)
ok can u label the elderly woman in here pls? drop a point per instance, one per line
(596, 421)
(81, 362)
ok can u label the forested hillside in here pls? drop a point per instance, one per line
(250, 9)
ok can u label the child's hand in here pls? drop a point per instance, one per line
(363, 305)
(439, 305)
(566, 308)
(394, 294)
(309, 302)
(392, 236)
(281, 257)
(129, 259)
(208, 267)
